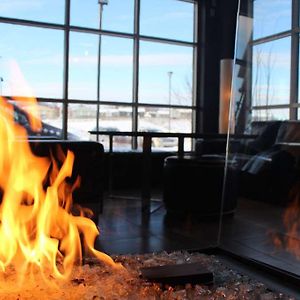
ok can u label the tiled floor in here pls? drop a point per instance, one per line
(125, 230)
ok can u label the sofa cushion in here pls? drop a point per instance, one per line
(289, 132)
(266, 137)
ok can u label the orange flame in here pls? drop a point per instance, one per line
(37, 229)
(291, 221)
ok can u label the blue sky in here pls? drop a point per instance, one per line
(272, 60)
(39, 52)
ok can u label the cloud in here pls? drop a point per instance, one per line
(277, 59)
(17, 5)
(160, 59)
(56, 60)
(170, 17)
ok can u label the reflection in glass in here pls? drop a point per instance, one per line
(271, 17)
(116, 69)
(52, 11)
(166, 74)
(271, 72)
(83, 66)
(117, 15)
(167, 19)
(49, 113)
(31, 62)
(245, 32)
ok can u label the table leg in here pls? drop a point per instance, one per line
(146, 179)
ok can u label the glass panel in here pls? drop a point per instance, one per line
(117, 15)
(167, 19)
(245, 32)
(116, 69)
(115, 118)
(271, 17)
(81, 119)
(166, 73)
(83, 62)
(262, 171)
(271, 72)
(52, 11)
(49, 113)
(31, 61)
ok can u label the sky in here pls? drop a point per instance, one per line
(271, 60)
(39, 51)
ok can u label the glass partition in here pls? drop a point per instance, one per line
(264, 149)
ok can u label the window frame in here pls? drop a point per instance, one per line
(67, 28)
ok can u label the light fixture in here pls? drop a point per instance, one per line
(103, 2)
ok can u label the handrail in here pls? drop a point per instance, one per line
(180, 135)
(171, 134)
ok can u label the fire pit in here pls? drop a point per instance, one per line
(47, 246)
(95, 280)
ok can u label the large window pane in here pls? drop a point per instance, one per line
(81, 119)
(31, 61)
(271, 72)
(165, 74)
(157, 119)
(52, 11)
(49, 113)
(115, 118)
(117, 15)
(116, 69)
(270, 114)
(171, 19)
(271, 17)
(164, 119)
(83, 66)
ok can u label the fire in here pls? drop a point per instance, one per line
(291, 221)
(38, 232)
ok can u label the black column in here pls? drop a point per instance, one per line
(218, 18)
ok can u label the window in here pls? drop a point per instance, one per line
(167, 19)
(51, 11)
(271, 17)
(166, 74)
(113, 65)
(271, 72)
(31, 61)
(275, 51)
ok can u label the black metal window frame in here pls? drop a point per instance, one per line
(67, 28)
(293, 33)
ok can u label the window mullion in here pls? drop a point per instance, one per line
(294, 76)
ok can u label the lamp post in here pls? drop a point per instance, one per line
(101, 5)
(170, 73)
(1, 80)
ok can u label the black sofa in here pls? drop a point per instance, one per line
(265, 168)
(273, 166)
